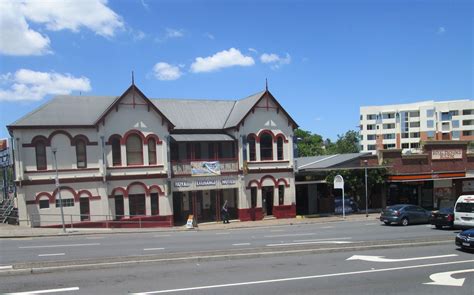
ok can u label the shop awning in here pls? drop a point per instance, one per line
(202, 137)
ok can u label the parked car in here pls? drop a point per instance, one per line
(443, 217)
(405, 214)
(350, 205)
(465, 239)
(464, 212)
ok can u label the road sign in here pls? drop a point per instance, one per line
(338, 182)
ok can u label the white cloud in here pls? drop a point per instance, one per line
(253, 50)
(210, 36)
(166, 72)
(30, 85)
(138, 35)
(275, 60)
(174, 33)
(222, 59)
(441, 30)
(17, 38)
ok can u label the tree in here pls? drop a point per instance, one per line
(347, 143)
(309, 144)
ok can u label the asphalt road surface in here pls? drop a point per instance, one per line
(72, 248)
(435, 269)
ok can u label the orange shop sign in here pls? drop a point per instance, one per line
(446, 154)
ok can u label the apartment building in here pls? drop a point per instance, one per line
(130, 161)
(406, 126)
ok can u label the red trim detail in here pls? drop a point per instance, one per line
(123, 190)
(269, 170)
(284, 211)
(109, 141)
(43, 194)
(253, 181)
(67, 188)
(157, 187)
(271, 177)
(123, 141)
(55, 132)
(62, 170)
(285, 140)
(147, 192)
(83, 137)
(133, 222)
(284, 181)
(157, 139)
(250, 214)
(134, 167)
(426, 176)
(50, 137)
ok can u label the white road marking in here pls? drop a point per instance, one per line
(241, 244)
(383, 259)
(309, 243)
(46, 291)
(305, 277)
(53, 254)
(153, 249)
(222, 233)
(445, 279)
(94, 238)
(3, 267)
(56, 246)
(371, 223)
(325, 227)
(276, 230)
(159, 236)
(289, 235)
(327, 239)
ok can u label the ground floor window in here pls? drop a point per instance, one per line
(281, 194)
(154, 204)
(66, 203)
(44, 204)
(136, 204)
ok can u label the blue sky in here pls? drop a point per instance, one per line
(323, 59)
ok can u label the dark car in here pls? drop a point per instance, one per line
(443, 217)
(350, 205)
(465, 239)
(405, 214)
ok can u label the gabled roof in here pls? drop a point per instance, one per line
(88, 111)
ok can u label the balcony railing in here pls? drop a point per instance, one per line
(183, 167)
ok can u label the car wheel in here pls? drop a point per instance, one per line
(405, 221)
(439, 226)
(387, 223)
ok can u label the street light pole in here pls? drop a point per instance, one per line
(58, 187)
(366, 199)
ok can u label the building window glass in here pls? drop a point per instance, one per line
(66, 203)
(388, 116)
(134, 148)
(253, 197)
(405, 146)
(389, 126)
(281, 194)
(40, 150)
(455, 123)
(429, 113)
(456, 134)
(151, 151)
(389, 136)
(252, 153)
(116, 152)
(415, 135)
(388, 146)
(414, 124)
(468, 132)
(371, 117)
(136, 204)
(430, 134)
(280, 148)
(467, 122)
(429, 124)
(468, 112)
(44, 204)
(446, 116)
(415, 145)
(371, 147)
(414, 114)
(371, 127)
(81, 153)
(371, 137)
(154, 203)
(266, 147)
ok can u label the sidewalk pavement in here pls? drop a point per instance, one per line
(14, 231)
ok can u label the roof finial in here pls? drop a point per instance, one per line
(133, 79)
(266, 84)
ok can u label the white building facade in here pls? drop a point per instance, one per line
(405, 126)
(130, 161)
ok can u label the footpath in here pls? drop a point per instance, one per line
(15, 231)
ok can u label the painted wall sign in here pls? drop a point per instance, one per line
(206, 182)
(201, 168)
(182, 184)
(446, 154)
(228, 181)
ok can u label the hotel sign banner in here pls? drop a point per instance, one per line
(202, 168)
(446, 154)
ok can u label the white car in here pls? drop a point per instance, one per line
(464, 212)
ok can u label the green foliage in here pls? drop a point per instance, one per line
(309, 144)
(314, 145)
(347, 143)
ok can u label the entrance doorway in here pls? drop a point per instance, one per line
(267, 200)
(84, 209)
(119, 208)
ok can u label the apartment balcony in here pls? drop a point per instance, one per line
(204, 167)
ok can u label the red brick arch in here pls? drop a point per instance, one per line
(155, 137)
(284, 181)
(270, 177)
(253, 181)
(121, 189)
(147, 192)
(156, 187)
(42, 195)
(130, 132)
(66, 188)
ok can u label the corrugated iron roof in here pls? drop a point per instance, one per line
(202, 137)
(325, 162)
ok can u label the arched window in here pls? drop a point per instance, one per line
(151, 151)
(252, 154)
(266, 147)
(134, 148)
(40, 151)
(116, 152)
(280, 148)
(81, 153)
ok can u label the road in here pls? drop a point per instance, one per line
(93, 247)
(400, 271)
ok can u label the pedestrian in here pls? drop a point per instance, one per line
(225, 213)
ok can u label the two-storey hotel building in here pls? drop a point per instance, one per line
(133, 161)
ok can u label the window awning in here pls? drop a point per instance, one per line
(202, 137)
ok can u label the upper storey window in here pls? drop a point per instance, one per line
(266, 147)
(151, 151)
(134, 148)
(252, 153)
(280, 148)
(81, 155)
(40, 151)
(116, 152)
